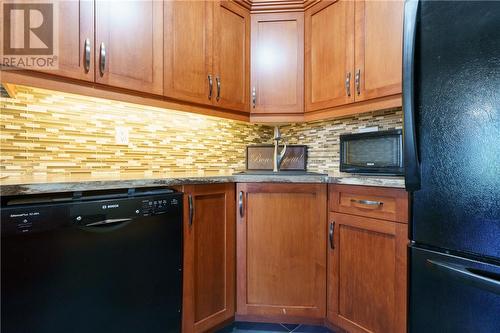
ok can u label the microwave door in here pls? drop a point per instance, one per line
(377, 152)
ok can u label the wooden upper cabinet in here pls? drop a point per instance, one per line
(231, 56)
(209, 256)
(353, 52)
(188, 50)
(379, 48)
(129, 44)
(281, 251)
(277, 63)
(329, 54)
(76, 40)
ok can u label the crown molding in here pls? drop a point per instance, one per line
(264, 6)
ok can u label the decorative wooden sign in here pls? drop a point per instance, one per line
(260, 157)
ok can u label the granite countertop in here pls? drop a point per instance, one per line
(51, 184)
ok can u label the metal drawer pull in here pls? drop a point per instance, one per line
(102, 63)
(210, 86)
(108, 221)
(254, 97)
(86, 57)
(217, 80)
(357, 79)
(240, 203)
(473, 277)
(330, 234)
(368, 202)
(348, 84)
(191, 209)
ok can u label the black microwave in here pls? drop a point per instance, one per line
(372, 153)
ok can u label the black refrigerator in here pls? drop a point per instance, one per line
(451, 106)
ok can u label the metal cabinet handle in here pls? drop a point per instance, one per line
(217, 80)
(348, 84)
(357, 81)
(107, 222)
(368, 202)
(330, 234)
(411, 161)
(254, 97)
(102, 61)
(240, 203)
(191, 209)
(210, 86)
(86, 55)
(473, 277)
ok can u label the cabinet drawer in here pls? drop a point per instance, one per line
(377, 202)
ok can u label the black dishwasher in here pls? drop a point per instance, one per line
(92, 262)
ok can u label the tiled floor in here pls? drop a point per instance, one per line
(245, 327)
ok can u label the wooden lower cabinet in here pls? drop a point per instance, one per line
(209, 256)
(281, 252)
(367, 271)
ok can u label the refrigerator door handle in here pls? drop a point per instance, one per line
(411, 163)
(473, 277)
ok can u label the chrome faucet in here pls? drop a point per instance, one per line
(277, 157)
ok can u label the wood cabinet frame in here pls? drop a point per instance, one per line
(383, 289)
(71, 77)
(348, 71)
(277, 107)
(300, 313)
(365, 44)
(117, 72)
(397, 231)
(226, 100)
(387, 41)
(215, 286)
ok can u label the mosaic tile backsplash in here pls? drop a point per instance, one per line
(51, 133)
(47, 133)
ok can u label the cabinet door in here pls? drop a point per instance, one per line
(231, 56)
(188, 51)
(367, 274)
(329, 54)
(277, 63)
(281, 251)
(379, 48)
(129, 44)
(75, 32)
(209, 256)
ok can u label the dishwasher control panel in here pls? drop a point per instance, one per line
(157, 206)
(99, 212)
(22, 219)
